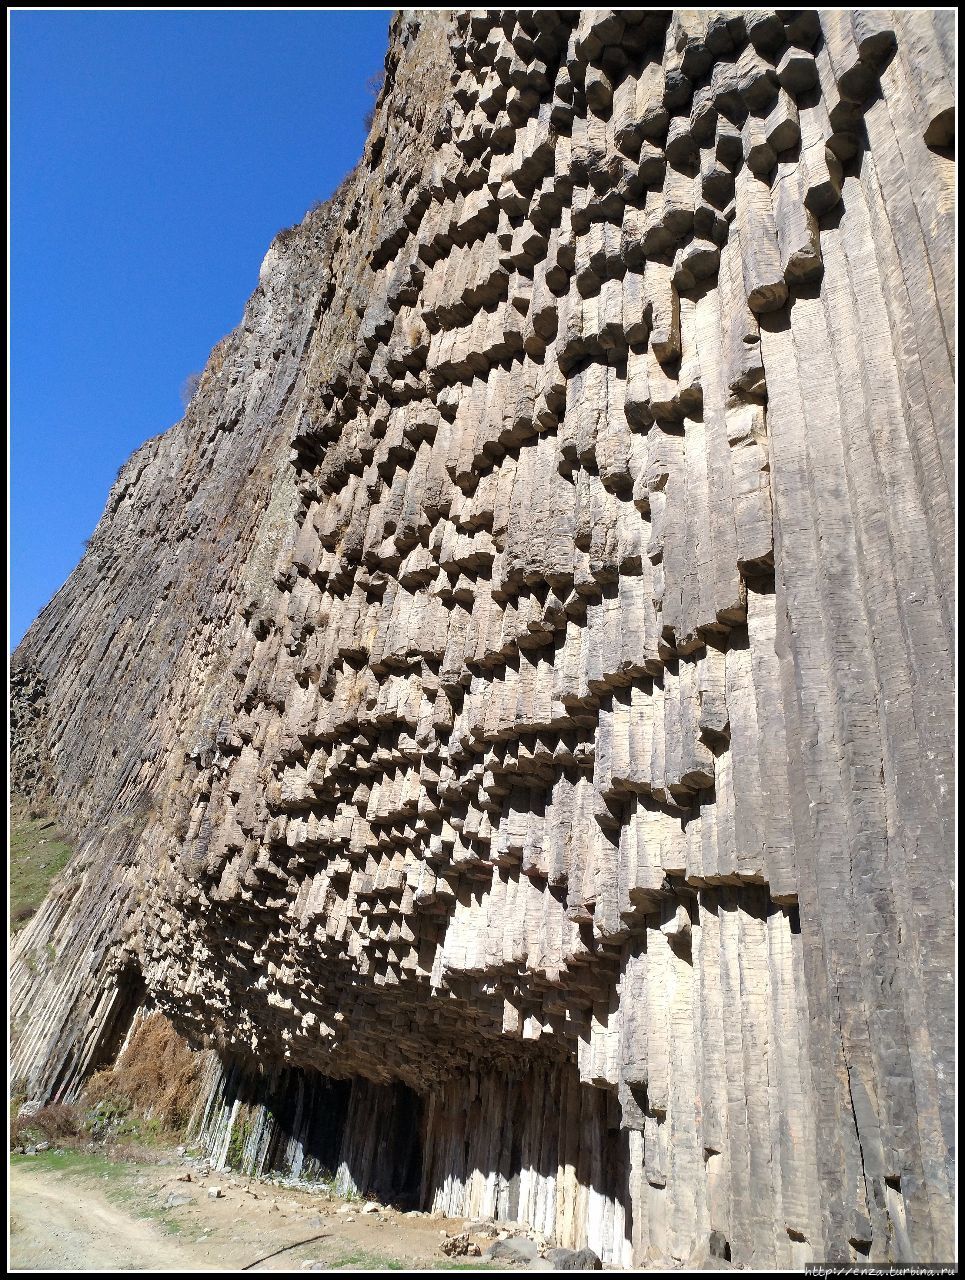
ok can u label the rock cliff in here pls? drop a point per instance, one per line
(508, 722)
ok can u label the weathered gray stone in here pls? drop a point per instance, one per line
(573, 1260)
(507, 722)
(516, 1251)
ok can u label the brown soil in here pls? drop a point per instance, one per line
(85, 1219)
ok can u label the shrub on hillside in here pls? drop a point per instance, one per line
(188, 387)
(58, 1124)
(157, 1075)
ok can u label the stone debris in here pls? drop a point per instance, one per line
(481, 1227)
(528, 668)
(459, 1246)
(711, 1253)
(175, 1199)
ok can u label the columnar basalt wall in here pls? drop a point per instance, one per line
(508, 722)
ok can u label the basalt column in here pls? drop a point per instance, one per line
(527, 764)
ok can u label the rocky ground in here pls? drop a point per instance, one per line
(78, 1210)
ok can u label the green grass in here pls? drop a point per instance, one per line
(79, 1163)
(371, 1261)
(38, 852)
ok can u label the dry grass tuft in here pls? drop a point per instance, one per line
(157, 1074)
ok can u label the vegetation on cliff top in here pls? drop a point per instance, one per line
(38, 851)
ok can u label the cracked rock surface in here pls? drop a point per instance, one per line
(508, 722)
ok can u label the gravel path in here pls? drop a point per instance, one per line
(75, 1219)
(61, 1225)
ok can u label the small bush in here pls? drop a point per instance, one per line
(374, 86)
(57, 1123)
(188, 387)
(286, 235)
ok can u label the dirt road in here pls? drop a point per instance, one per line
(56, 1224)
(82, 1213)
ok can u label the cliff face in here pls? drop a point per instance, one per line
(508, 721)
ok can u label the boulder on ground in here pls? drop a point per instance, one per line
(573, 1260)
(516, 1251)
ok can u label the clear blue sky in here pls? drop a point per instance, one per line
(153, 158)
